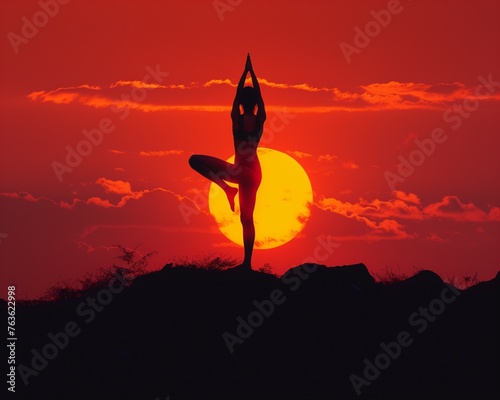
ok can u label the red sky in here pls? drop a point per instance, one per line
(347, 116)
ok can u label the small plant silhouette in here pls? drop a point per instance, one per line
(208, 261)
(388, 276)
(134, 265)
(465, 282)
(212, 261)
(469, 281)
(267, 269)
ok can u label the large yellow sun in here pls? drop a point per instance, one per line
(282, 207)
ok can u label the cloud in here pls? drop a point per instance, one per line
(372, 97)
(452, 208)
(410, 139)
(89, 248)
(92, 229)
(494, 214)
(63, 95)
(373, 214)
(327, 157)
(108, 98)
(350, 165)
(225, 245)
(407, 197)
(118, 187)
(333, 159)
(121, 188)
(137, 84)
(213, 82)
(32, 199)
(150, 153)
(409, 95)
(160, 153)
(299, 154)
(384, 217)
(404, 95)
(301, 86)
(264, 82)
(433, 237)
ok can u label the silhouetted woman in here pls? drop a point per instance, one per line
(246, 172)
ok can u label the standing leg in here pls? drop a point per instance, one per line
(247, 196)
(218, 171)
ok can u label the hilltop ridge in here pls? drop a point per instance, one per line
(315, 332)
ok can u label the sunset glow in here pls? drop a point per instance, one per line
(282, 207)
(390, 108)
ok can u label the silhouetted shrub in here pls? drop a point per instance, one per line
(388, 276)
(465, 282)
(266, 269)
(134, 265)
(209, 261)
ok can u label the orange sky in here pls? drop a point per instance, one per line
(158, 78)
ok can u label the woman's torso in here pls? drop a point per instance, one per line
(247, 134)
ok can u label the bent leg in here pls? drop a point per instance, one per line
(214, 169)
(218, 171)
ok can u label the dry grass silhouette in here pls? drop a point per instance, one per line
(133, 264)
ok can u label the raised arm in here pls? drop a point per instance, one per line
(235, 112)
(261, 111)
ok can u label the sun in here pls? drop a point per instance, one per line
(282, 207)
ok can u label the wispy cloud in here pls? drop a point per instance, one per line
(160, 153)
(137, 84)
(372, 97)
(407, 197)
(299, 154)
(385, 217)
(300, 86)
(383, 225)
(350, 165)
(214, 82)
(149, 153)
(264, 82)
(327, 157)
(100, 227)
(451, 207)
(118, 187)
(121, 191)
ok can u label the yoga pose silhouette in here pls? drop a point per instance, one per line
(246, 172)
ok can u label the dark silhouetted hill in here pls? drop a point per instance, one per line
(311, 334)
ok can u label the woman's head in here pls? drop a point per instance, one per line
(248, 98)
